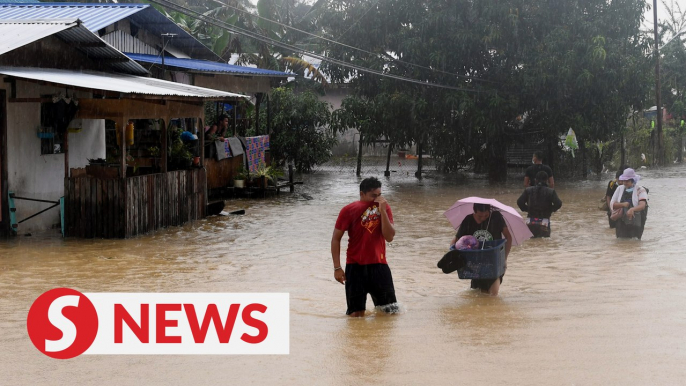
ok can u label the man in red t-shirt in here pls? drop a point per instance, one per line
(369, 223)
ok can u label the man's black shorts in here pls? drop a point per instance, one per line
(373, 279)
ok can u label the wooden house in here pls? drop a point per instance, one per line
(168, 52)
(64, 92)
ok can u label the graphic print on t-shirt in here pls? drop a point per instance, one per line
(371, 218)
(483, 235)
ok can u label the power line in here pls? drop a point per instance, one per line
(267, 40)
(349, 46)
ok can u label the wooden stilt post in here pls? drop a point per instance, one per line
(418, 173)
(66, 154)
(387, 173)
(291, 186)
(359, 156)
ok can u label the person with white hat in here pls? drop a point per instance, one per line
(632, 200)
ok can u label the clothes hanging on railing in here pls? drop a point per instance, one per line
(255, 148)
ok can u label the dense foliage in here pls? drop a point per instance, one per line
(513, 71)
(300, 133)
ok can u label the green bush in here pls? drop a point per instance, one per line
(300, 129)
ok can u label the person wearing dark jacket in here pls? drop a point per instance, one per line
(539, 202)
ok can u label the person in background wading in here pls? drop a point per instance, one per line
(531, 171)
(539, 202)
(632, 199)
(369, 223)
(485, 225)
(611, 188)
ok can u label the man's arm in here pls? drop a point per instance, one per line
(508, 244)
(641, 206)
(526, 182)
(615, 202)
(387, 229)
(338, 274)
(557, 203)
(523, 201)
(551, 182)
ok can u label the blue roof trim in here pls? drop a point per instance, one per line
(93, 15)
(207, 66)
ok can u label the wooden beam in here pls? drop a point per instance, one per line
(30, 100)
(66, 154)
(121, 123)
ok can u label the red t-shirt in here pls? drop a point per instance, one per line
(362, 221)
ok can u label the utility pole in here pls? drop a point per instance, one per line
(659, 157)
(164, 46)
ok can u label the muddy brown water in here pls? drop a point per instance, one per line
(580, 308)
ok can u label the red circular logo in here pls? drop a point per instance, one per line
(62, 323)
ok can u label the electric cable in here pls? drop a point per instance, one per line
(349, 46)
(273, 42)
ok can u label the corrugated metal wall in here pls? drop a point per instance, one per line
(127, 43)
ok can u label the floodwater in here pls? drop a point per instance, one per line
(580, 308)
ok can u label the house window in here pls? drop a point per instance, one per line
(50, 142)
(54, 120)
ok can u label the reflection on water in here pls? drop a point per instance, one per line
(579, 308)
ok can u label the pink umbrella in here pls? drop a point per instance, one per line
(515, 223)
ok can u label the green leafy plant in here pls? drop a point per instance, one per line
(269, 172)
(241, 173)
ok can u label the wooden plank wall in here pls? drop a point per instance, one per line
(95, 207)
(220, 173)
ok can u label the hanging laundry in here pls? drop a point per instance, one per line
(255, 147)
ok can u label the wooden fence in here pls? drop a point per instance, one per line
(114, 208)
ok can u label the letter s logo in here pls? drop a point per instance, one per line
(62, 323)
(65, 325)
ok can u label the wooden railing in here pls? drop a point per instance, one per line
(114, 208)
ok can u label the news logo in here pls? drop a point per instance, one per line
(64, 323)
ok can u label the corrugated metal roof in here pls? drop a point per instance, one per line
(125, 84)
(96, 16)
(207, 66)
(18, 33)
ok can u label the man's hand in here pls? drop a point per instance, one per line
(382, 203)
(630, 213)
(339, 275)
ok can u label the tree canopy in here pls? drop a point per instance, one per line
(509, 71)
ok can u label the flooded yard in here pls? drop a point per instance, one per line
(580, 308)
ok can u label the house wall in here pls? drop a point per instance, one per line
(33, 175)
(348, 141)
(127, 43)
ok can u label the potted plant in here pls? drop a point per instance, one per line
(267, 175)
(240, 177)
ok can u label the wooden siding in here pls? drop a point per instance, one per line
(220, 173)
(127, 43)
(110, 208)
